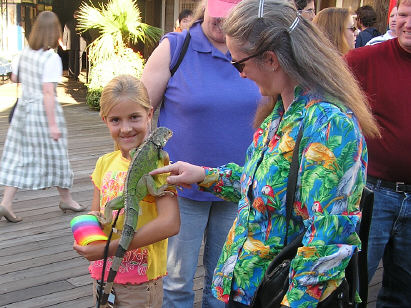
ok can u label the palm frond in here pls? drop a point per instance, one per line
(119, 25)
(118, 17)
(90, 17)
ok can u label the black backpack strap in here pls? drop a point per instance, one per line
(182, 53)
(292, 183)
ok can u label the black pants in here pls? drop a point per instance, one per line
(74, 63)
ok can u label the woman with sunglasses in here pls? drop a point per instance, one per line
(210, 109)
(337, 24)
(312, 90)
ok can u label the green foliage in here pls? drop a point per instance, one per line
(93, 98)
(127, 63)
(119, 25)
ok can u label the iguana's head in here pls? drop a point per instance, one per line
(160, 136)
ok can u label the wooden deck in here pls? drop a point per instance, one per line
(38, 267)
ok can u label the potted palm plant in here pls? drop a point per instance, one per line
(120, 27)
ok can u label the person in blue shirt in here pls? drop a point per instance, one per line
(210, 109)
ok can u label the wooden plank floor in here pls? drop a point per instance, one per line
(38, 267)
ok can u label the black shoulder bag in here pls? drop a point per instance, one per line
(274, 285)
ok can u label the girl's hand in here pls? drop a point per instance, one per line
(55, 132)
(92, 252)
(95, 213)
(182, 174)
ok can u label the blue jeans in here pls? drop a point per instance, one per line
(212, 220)
(390, 239)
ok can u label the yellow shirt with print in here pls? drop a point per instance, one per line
(109, 177)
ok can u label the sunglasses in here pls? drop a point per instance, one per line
(353, 28)
(239, 65)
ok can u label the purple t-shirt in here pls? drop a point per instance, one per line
(208, 106)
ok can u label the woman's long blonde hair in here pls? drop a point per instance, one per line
(303, 53)
(46, 31)
(332, 21)
(121, 88)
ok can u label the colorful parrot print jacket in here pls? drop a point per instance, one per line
(332, 174)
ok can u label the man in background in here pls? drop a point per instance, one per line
(390, 34)
(306, 8)
(366, 18)
(384, 73)
(184, 20)
(75, 45)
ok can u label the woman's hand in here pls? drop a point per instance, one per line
(54, 132)
(92, 252)
(182, 174)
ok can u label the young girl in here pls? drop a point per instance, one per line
(125, 108)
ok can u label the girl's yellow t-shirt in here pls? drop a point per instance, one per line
(142, 264)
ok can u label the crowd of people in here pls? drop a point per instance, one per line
(254, 76)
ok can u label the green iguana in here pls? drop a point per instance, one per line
(138, 184)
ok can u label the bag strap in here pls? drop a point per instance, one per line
(182, 53)
(292, 183)
(366, 206)
(105, 257)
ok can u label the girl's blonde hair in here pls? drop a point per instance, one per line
(302, 51)
(120, 88)
(46, 31)
(332, 22)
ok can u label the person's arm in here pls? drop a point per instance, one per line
(332, 173)
(166, 224)
(181, 174)
(156, 73)
(95, 203)
(64, 47)
(15, 69)
(223, 181)
(49, 102)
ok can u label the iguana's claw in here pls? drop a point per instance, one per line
(103, 221)
(100, 217)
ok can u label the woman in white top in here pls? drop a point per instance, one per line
(35, 152)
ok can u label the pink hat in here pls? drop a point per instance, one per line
(220, 8)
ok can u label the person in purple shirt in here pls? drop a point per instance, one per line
(210, 109)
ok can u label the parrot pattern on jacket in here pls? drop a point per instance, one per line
(331, 177)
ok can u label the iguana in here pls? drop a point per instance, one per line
(138, 184)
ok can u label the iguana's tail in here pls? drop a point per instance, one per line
(126, 237)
